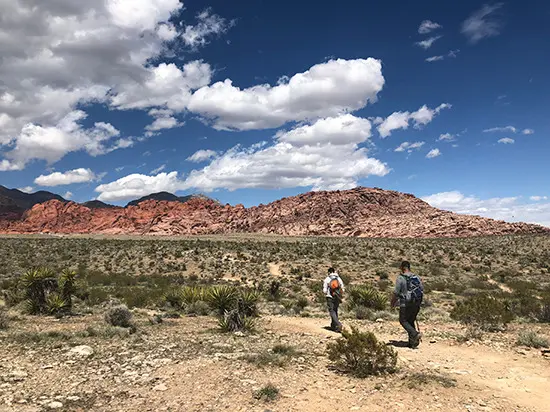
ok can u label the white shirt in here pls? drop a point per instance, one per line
(326, 284)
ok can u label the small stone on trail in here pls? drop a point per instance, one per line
(55, 405)
(160, 388)
(82, 350)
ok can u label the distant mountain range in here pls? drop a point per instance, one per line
(360, 212)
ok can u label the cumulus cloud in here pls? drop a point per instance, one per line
(202, 155)
(427, 26)
(482, 24)
(510, 209)
(306, 156)
(208, 25)
(326, 89)
(51, 143)
(434, 59)
(68, 195)
(433, 153)
(409, 147)
(59, 55)
(510, 129)
(400, 120)
(66, 178)
(426, 44)
(538, 198)
(447, 137)
(528, 131)
(138, 185)
(26, 189)
(507, 140)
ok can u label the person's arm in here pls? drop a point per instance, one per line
(342, 286)
(396, 292)
(325, 286)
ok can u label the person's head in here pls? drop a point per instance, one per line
(405, 267)
(331, 271)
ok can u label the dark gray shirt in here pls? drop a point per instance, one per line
(401, 288)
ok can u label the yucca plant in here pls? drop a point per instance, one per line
(248, 300)
(235, 320)
(174, 298)
(56, 305)
(367, 297)
(222, 299)
(37, 283)
(192, 294)
(67, 287)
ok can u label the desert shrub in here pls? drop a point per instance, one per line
(37, 284)
(524, 304)
(222, 299)
(4, 320)
(419, 379)
(266, 358)
(302, 303)
(484, 311)
(362, 312)
(119, 316)
(268, 393)
(361, 354)
(274, 291)
(192, 294)
(471, 333)
(56, 305)
(199, 308)
(544, 312)
(173, 297)
(285, 350)
(368, 297)
(234, 321)
(382, 274)
(532, 339)
(67, 287)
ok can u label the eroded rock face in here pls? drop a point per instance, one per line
(362, 212)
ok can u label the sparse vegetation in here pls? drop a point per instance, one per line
(361, 354)
(532, 339)
(4, 321)
(419, 379)
(119, 316)
(268, 393)
(367, 297)
(484, 311)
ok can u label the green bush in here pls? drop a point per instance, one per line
(198, 308)
(484, 311)
(532, 340)
(222, 299)
(361, 354)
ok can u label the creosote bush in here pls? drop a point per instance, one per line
(361, 354)
(268, 393)
(119, 316)
(484, 311)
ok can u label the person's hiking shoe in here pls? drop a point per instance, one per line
(413, 343)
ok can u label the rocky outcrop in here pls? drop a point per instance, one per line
(360, 212)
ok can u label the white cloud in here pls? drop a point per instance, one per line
(528, 131)
(162, 123)
(510, 129)
(427, 26)
(60, 55)
(51, 143)
(434, 58)
(409, 147)
(447, 137)
(326, 89)
(137, 185)
(400, 120)
(482, 24)
(26, 189)
(453, 53)
(538, 198)
(158, 170)
(433, 153)
(507, 208)
(68, 195)
(426, 44)
(209, 25)
(306, 156)
(72, 176)
(507, 140)
(202, 155)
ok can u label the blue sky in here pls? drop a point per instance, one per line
(251, 102)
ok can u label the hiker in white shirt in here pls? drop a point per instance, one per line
(333, 288)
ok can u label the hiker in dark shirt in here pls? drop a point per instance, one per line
(408, 293)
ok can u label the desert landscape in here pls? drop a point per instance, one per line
(238, 322)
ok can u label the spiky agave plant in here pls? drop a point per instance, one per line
(67, 287)
(37, 283)
(192, 294)
(222, 298)
(248, 300)
(368, 297)
(56, 305)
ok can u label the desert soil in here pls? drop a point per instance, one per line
(187, 365)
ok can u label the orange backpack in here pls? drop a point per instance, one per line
(334, 286)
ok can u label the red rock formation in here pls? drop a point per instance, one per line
(360, 212)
